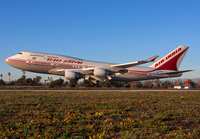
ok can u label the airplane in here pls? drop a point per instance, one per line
(74, 68)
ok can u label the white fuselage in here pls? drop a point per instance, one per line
(49, 63)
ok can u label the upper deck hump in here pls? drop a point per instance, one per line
(46, 55)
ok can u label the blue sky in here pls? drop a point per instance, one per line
(114, 31)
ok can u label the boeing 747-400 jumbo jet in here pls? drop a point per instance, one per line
(75, 68)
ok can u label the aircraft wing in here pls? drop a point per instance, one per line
(131, 64)
(175, 72)
(114, 68)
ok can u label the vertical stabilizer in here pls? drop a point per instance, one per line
(172, 60)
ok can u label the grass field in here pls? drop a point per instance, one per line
(100, 115)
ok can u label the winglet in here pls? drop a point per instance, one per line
(152, 58)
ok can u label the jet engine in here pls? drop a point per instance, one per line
(71, 75)
(99, 72)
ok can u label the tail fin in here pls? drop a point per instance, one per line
(172, 60)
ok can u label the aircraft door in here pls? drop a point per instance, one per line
(45, 56)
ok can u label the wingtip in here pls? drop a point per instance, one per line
(152, 58)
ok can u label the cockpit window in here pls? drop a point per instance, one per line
(20, 53)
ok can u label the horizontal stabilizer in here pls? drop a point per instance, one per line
(131, 64)
(175, 72)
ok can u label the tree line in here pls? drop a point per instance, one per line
(109, 84)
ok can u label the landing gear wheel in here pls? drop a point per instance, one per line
(23, 77)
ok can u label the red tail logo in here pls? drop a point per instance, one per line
(167, 57)
(172, 60)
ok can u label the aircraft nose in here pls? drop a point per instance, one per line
(7, 60)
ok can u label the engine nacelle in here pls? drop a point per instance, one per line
(71, 75)
(99, 72)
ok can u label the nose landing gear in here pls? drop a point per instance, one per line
(23, 76)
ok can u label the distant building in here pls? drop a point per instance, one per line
(178, 87)
(186, 85)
